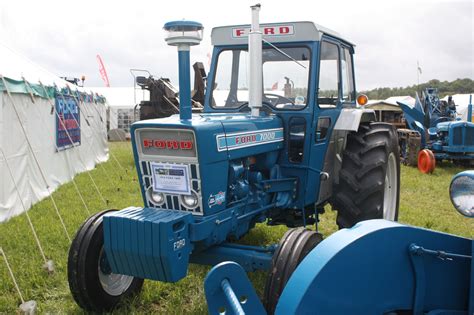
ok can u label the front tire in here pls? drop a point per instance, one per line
(293, 247)
(93, 286)
(369, 180)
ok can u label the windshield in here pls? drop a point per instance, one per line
(285, 78)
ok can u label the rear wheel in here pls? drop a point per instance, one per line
(93, 285)
(293, 247)
(369, 180)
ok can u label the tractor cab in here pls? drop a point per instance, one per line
(301, 63)
(307, 79)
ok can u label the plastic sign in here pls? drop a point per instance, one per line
(68, 122)
(273, 30)
(171, 178)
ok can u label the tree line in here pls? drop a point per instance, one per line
(458, 86)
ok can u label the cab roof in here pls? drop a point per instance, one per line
(285, 32)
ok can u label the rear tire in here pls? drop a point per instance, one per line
(293, 247)
(369, 180)
(93, 286)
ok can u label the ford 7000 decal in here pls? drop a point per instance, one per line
(248, 139)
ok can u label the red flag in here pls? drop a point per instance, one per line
(275, 86)
(102, 71)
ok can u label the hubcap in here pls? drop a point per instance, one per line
(390, 190)
(112, 283)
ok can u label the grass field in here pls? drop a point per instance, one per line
(424, 202)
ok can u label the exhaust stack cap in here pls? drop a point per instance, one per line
(184, 34)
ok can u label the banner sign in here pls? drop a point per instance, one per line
(68, 122)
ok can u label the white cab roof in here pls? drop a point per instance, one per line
(273, 32)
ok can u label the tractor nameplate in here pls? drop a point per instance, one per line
(271, 30)
(240, 140)
(166, 143)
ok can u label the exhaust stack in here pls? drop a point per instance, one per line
(255, 64)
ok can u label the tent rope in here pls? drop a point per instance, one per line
(90, 146)
(78, 153)
(24, 208)
(35, 158)
(57, 149)
(88, 113)
(11, 275)
(111, 154)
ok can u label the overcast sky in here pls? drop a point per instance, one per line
(391, 36)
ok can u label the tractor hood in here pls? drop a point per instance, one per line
(444, 126)
(202, 150)
(217, 137)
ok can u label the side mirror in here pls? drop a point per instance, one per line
(461, 192)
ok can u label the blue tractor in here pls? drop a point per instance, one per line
(256, 154)
(435, 124)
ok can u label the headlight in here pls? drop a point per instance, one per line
(157, 198)
(462, 193)
(190, 201)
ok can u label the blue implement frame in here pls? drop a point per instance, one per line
(393, 267)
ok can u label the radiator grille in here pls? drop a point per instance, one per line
(457, 136)
(173, 202)
(469, 136)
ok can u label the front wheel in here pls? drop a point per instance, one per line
(369, 180)
(293, 248)
(93, 285)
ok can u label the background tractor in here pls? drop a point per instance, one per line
(435, 133)
(255, 154)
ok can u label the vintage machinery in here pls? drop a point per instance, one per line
(375, 267)
(439, 131)
(164, 97)
(277, 157)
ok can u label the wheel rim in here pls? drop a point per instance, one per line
(390, 189)
(112, 283)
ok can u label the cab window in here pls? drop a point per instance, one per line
(328, 90)
(348, 90)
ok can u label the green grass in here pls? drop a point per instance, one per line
(424, 202)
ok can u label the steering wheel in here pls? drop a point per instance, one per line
(275, 99)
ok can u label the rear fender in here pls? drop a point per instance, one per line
(351, 118)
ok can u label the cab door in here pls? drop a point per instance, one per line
(334, 90)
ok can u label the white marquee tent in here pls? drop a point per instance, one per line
(50, 130)
(462, 101)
